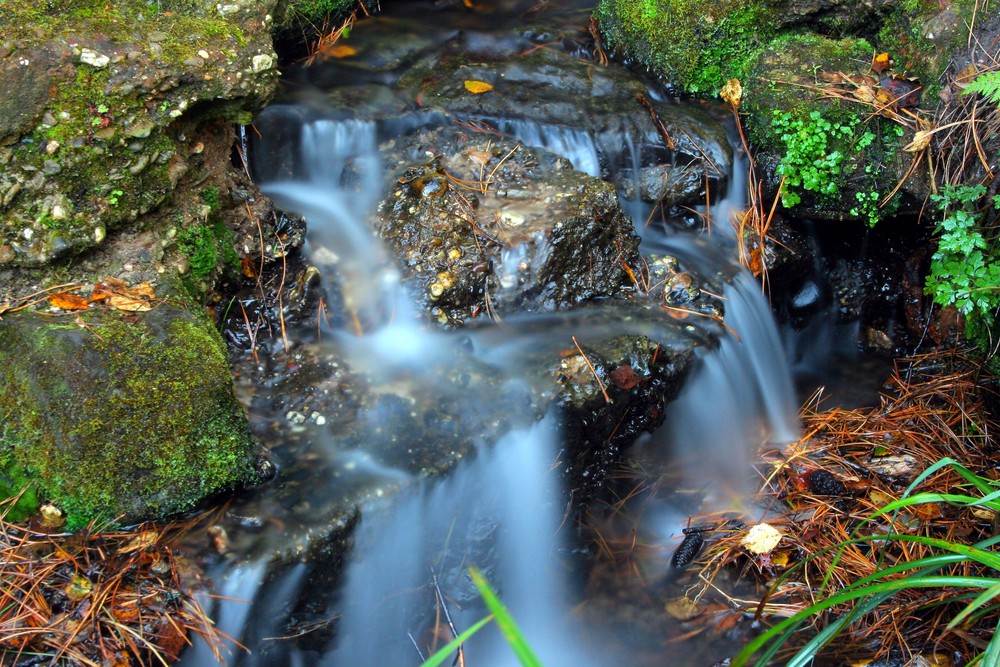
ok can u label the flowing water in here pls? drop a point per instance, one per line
(374, 597)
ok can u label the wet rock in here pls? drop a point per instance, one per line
(121, 416)
(546, 97)
(470, 249)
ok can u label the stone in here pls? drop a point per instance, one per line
(137, 422)
(93, 58)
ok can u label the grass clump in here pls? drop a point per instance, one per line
(886, 540)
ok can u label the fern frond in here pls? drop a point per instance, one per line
(987, 84)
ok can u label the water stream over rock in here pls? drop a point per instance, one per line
(495, 339)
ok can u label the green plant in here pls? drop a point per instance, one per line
(113, 197)
(515, 638)
(820, 152)
(965, 270)
(809, 163)
(987, 84)
(867, 593)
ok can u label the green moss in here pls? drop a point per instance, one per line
(208, 247)
(695, 46)
(122, 417)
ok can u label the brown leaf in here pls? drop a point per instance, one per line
(477, 87)
(903, 92)
(66, 301)
(249, 267)
(624, 377)
(142, 540)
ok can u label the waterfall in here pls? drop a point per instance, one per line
(500, 510)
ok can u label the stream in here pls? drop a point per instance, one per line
(417, 436)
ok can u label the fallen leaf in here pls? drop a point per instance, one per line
(142, 540)
(129, 304)
(79, 587)
(339, 51)
(66, 301)
(968, 73)
(477, 87)
(144, 290)
(881, 63)
(249, 267)
(761, 538)
(682, 608)
(732, 93)
(921, 140)
(52, 516)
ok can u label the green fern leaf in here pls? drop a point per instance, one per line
(987, 84)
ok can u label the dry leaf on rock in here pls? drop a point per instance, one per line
(477, 87)
(732, 93)
(66, 301)
(921, 140)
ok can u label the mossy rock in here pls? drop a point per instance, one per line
(838, 159)
(98, 104)
(120, 416)
(692, 45)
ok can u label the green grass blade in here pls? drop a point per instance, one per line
(445, 651)
(505, 621)
(917, 581)
(983, 598)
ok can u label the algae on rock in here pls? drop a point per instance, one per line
(120, 417)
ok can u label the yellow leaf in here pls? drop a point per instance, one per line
(921, 140)
(79, 588)
(477, 87)
(52, 516)
(339, 51)
(761, 539)
(881, 63)
(732, 93)
(129, 304)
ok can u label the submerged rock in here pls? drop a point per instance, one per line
(120, 416)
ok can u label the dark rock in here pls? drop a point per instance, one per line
(823, 483)
(472, 251)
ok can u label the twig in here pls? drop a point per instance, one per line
(594, 372)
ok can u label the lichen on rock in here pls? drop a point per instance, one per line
(120, 417)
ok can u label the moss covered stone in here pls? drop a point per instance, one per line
(691, 44)
(99, 103)
(120, 416)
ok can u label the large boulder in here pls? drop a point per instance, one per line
(116, 166)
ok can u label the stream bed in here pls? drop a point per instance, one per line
(517, 340)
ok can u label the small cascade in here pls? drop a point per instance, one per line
(499, 515)
(499, 509)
